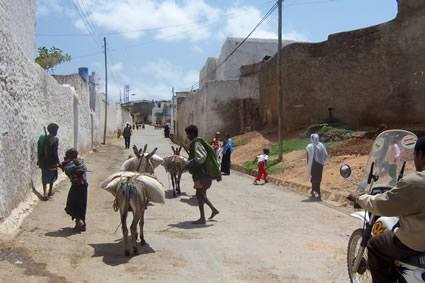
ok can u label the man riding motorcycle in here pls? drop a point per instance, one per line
(406, 200)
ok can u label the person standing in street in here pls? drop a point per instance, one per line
(203, 167)
(76, 203)
(316, 157)
(227, 151)
(127, 135)
(49, 159)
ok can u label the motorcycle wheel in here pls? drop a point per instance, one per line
(363, 274)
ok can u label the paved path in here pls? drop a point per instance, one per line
(263, 233)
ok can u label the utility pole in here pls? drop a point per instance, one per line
(279, 80)
(106, 92)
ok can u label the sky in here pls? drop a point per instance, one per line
(155, 45)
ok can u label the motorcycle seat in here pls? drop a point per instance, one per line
(417, 260)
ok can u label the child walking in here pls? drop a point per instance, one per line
(261, 163)
(76, 204)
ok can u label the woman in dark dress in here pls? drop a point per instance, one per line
(76, 204)
(227, 152)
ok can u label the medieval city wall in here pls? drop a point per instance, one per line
(228, 106)
(20, 19)
(29, 99)
(368, 76)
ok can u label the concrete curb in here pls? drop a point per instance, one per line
(326, 195)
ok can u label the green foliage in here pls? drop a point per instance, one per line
(329, 130)
(326, 132)
(299, 144)
(289, 145)
(240, 142)
(48, 58)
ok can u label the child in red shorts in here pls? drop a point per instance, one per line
(261, 163)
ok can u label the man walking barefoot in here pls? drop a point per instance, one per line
(204, 168)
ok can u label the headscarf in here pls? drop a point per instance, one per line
(315, 151)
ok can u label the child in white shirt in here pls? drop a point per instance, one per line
(261, 163)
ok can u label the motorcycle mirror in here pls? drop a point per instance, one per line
(345, 171)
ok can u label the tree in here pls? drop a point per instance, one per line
(48, 58)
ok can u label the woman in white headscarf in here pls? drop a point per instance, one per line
(316, 157)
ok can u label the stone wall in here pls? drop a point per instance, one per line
(31, 99)
(229, 106)
(368, 76)
(20, 15)
(252, 51)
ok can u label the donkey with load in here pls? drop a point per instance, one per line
(132, 191)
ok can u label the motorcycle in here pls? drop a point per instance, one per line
(390, 150)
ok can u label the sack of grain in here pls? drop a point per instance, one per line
(153, 187)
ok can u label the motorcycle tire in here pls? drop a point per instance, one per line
(363, 274)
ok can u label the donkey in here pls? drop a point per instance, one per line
(131, 195)
(174, 165)
(132, 191)
(141, 163)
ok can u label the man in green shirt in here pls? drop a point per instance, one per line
(203, 167)
(407, 201)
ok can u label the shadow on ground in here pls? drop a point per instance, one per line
(190, 201)
(62, 232)
(311, 199)
(169, 194)
(113, 253)
(189, 225)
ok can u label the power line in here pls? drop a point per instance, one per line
(229, 15)
(86, 22)
(244, 40)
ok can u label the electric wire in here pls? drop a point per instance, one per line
(86, 23)
(229, 15)
(272, 9)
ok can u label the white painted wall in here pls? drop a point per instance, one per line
(220, 102)
(217, 107)
(21, 21)
(252, 51)
(29, 99)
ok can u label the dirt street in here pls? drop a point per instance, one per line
(263, 233)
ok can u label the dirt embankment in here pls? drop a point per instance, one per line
(355, 153)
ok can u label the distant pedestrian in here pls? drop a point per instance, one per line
(316, 157)
(227, 152)
(203, 167)
(261, 164)
(217, 145)
(167, 131)
(127, 135)
(48, 159)
(76, 203)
